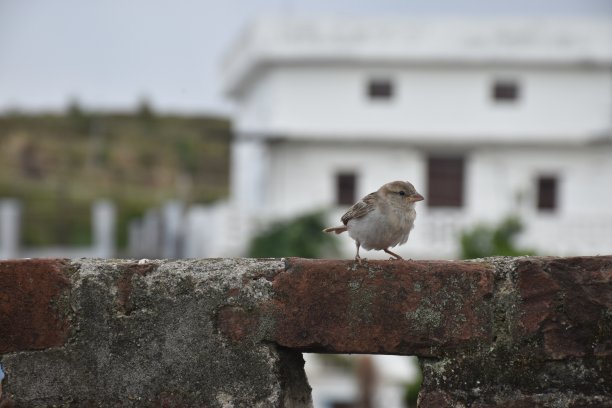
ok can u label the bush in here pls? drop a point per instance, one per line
(484, 240)
(301, 237)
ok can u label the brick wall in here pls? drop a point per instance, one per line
(510, 332)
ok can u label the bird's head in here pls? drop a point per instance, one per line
(400, 193)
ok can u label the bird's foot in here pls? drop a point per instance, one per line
(360, 260)
(393, 254)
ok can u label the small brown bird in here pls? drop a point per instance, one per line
(382, 219)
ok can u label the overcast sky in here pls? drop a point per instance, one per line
(110, 54)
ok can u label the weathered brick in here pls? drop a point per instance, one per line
(538, 290)
(125, 283)
(30, 318)
(567, 301)
(237, 323)
(552, 340)
(438, 399)
(394, 307)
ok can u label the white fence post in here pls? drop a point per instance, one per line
(10, 220)
(104, 226)
(172, 217)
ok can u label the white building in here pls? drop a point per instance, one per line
(485, 117)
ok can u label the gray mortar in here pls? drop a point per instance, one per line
(166, 348)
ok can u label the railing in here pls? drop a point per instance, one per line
(103, 231)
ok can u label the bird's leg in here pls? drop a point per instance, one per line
(357, 257)
(394, 254)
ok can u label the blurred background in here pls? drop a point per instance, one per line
(167, 129)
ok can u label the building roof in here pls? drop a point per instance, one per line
(472, 41)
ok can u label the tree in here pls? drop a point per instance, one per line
(145, 112)
(498, 240)
(79, 118)
(301, 237)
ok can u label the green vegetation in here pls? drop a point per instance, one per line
(301, 237)
(57, 165)
(497, 240)
(412, 389)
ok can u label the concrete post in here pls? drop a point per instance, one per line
(151, 230)
(10, 220)
(172, 216)
(104, 225)
(135, 248)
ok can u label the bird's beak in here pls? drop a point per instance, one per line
(416, 197)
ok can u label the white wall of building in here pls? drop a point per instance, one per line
(444, 104)
(300, 177)
(304, 172)
(498, 175)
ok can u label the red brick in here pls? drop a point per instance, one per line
(566, 301)
(236, 323)
(538, 290)
(125, 285)
(29, 315)
(394, 307)
(437, 399)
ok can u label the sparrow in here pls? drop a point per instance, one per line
(382, 219)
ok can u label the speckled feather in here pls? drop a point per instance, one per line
(360, 208)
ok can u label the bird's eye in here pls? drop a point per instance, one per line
(402, 193)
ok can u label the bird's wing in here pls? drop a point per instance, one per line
(360, 208)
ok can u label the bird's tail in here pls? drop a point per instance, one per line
(337, 230)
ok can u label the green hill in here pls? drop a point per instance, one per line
(59, 164)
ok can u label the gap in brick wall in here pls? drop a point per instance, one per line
(363, 380)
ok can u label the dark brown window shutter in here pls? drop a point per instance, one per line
(445, 181)
(346, 188)
(547, 193)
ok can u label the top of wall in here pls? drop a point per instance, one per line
(444, 41)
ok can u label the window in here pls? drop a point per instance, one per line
(505, 91)
(345, 188)
(445, 179)
(380, 89)
(547, 193)
(340, 404)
